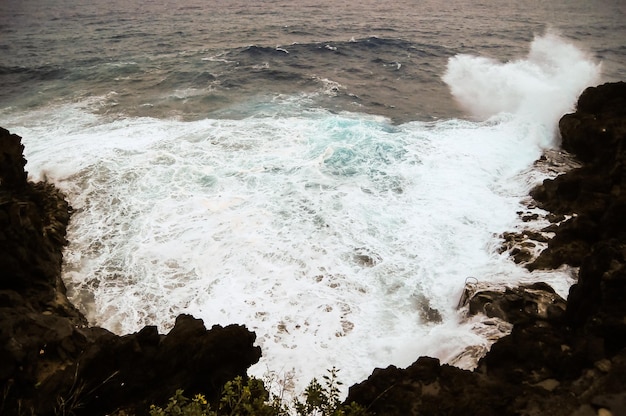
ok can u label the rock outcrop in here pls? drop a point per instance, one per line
(51, 361)
(559, 359)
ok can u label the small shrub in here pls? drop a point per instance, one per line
(179, 405)
(246, 399)
(238, 399)
(251, 398)
(325, 400)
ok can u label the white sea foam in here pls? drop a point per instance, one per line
(326, 234)
(329, 235)
(542, 86)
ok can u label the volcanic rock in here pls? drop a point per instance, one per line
(51, 361)
(555, 361)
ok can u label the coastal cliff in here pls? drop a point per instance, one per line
(52, 361)
(561, 358)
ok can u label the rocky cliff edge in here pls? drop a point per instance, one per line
(560, 359)
(51, 361)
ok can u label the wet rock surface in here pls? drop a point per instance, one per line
(561, 358)
(518, 305)
(51, 361)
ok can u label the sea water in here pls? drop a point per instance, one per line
(241, 185)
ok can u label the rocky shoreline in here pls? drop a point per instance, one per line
(561, 358)
(52, 361)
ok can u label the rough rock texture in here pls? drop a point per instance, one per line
(523, 304)
(555, 361)
(51, 361)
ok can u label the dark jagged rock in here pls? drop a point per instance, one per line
(51, 361)
(596, 133)
(537, 301)
(555, 361)
(12, 162)
(134, 371)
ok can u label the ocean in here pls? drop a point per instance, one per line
(327, 173)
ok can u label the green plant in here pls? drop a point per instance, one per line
(324, 400)
(238, 398)
(251, 398)
(179, 405)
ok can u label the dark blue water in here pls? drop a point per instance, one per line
(192, 58)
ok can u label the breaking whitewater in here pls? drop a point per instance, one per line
(341, 238)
